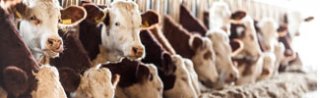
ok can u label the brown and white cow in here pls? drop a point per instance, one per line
(112, 33)
(39, 25)
(78, 76)
(137, 80)
(172, 69)
(220, 43)
(193, 47)
(252, 63)
(21, 76)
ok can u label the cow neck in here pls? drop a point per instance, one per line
(190, 23)
(178, 38)
(153, 55)
(157, 33)
(15, 52)
(90, 37)
(74, 56)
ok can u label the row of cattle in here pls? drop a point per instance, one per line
(100, 51)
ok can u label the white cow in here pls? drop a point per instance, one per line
(39, 25)
(48, 84)
(220, 43)
(96, 83)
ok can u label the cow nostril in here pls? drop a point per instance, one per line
(50, 41)
(135, 49)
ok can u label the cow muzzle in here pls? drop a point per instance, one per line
(54, 46)
(136, 52)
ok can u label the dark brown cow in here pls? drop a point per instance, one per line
(137, 80)
(19, 73)
(16, 61)
(193, 47)
(191, 23)
(171, 68)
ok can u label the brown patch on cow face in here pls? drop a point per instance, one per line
(207, 55)
(149, 18)
(131, 72)
(70, 79)
(191, 23)
(167, 71)
(237, 31)
(197, 43)
(96, 14)
(72, 14)
(238, 15)
(282, 28)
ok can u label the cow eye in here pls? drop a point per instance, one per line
(117, 23)
(33, 18)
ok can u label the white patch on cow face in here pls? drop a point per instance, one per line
(39, 29)
(222, 49)
(183, 86)
(269, 33)
(48, 85)
(151, 88)
(121, 35)
(219, 16)
(96, 83)
(204, 64)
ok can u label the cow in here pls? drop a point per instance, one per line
(20, 74)
(193, 47)
(220, 43)
(219, 14)
(39, 22)
(78, 76)
(137, 80)
(252, 63)
(172, 70)
(112, 34)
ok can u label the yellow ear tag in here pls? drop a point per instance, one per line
(66, 21)
(145, 24)
(18, 14)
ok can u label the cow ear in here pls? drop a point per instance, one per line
(15, 80)
(69, 79)
(308, 19)
(149, 19)
(196, 42)
(143, 73)
(20, 10)
(238, 15)
(72, 15)
(95, 14)
(167, 63)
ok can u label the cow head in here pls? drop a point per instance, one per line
(178, 83)
(269, 33)
(223, 52)
(219, 16)
(122, 23)
(39, 24)
(204, 60)
(48, 84)
(245, 27)
(96, 83)
(151, 84)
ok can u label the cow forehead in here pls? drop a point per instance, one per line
(128, 16)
